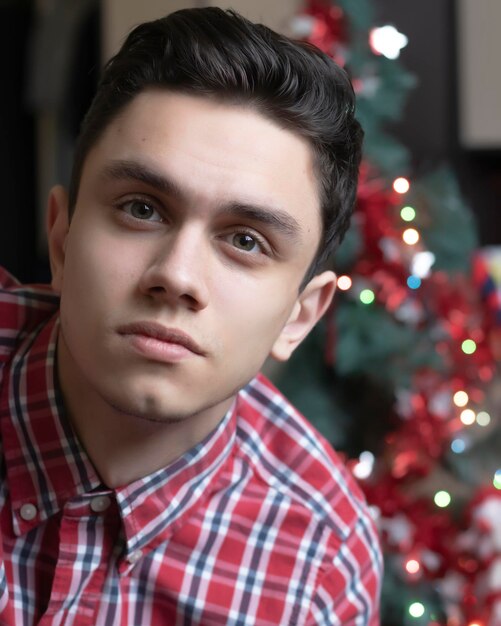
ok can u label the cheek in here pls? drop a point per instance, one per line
(98, 264)
(256, 307)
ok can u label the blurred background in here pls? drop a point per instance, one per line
(52, 51)
(402, 375)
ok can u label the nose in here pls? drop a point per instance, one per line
(177, 274)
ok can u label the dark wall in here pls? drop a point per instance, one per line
(29, 51)
(17, 145)
(430, 124)
(480, 177)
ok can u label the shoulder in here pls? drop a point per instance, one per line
(294, 460)
(292, 456)
(22, 309)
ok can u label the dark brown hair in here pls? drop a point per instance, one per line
(215, 53)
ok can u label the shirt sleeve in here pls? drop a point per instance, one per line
(22, 308)
(348, 593)
(8, 314)
(7, 280)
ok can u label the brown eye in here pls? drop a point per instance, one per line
(245, 242)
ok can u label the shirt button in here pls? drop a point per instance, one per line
(100, 504)
(28, 512)
(135, 556)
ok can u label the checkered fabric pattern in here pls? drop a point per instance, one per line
(259, 524)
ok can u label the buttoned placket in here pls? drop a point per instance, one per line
(100, 537)
(88, 533)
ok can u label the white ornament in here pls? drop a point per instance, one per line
(400, 530)
(488, 513)
(494, 575)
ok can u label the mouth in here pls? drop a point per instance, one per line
(154, 338)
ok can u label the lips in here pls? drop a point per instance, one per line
(160, 333)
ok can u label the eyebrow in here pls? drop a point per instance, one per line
(132, 170)
(278, 219)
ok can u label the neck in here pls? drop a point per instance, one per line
(124, 447)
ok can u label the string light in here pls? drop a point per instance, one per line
(387, 41)
(458, 446)
(410, 236)
(416, 609)
(468, 346)
(460, 398)
(408, 213)
(442, 499)
(364, 467)
(344, 283)
(401, 185)
(483, 418)
(468, 417)
(412, 566)
(413, 282)
(497, 479)
(367, 296)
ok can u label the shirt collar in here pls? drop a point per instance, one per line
(155, 506)
(46, 465)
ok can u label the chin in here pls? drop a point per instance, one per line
(148, 408)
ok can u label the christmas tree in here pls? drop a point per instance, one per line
(401, 374)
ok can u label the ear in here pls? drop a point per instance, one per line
(311, 304)
(57, 231)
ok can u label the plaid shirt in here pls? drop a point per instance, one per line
(260, 523)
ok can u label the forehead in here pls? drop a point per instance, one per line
(215, 151)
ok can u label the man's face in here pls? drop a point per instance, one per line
(179, 274)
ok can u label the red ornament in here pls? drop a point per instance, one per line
(328, 32)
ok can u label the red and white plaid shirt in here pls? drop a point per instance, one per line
(260, 523)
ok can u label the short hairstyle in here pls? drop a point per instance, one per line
(215, 53)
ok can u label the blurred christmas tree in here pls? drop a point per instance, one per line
(401, 376)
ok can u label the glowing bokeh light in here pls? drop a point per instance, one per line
(344, 283)
(468, 346)
(468, 417)
(401, 185)
(413, 282)
(364, 467)
(367, 296)
(458, 446)
(410, 236)
(442, 499)
(422, 263)
(412, 566)
(416, 609)
(497, 479)
(483, 418)
(460, 398)
(388, 41)
(408, 213)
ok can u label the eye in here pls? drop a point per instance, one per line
(141, 210)
(245, 242)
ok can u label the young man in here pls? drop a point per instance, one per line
(151, 475)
